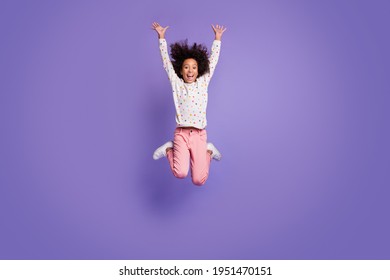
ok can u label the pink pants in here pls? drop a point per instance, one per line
(190, 143)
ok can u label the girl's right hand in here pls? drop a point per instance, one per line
(159, 29)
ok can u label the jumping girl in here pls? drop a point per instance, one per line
(189, 73)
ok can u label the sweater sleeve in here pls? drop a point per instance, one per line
(166, 60)
(213, 59)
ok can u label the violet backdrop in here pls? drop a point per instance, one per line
(298, 106)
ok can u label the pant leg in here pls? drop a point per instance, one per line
(179, 156)
(200, 158)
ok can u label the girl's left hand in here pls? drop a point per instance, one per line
(218, 30)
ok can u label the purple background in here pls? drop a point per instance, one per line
(298, 106)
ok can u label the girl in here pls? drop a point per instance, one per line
(189, 73)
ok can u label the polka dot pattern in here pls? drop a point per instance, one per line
(190, 99)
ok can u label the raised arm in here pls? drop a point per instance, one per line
(164, 51)
(215, 49)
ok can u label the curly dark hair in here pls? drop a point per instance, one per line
(181, 51)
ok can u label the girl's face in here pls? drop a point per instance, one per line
(189, 70)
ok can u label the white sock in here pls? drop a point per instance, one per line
(216, 154)
(162, 150)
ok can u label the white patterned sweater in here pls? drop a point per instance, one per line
(190, 98)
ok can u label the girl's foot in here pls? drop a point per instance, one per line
(215, 154)
(162, 150)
